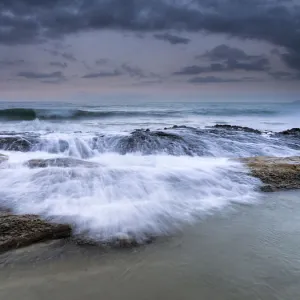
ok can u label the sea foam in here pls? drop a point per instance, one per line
(126, 195)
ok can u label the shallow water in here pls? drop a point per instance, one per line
(244, 252)
(143, 182)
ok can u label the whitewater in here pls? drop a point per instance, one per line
(136, 170)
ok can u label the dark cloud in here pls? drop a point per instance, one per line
(58, 64)
(257, 65)
(133, 71)
(213, 79)
(36, 75)
(10, 63)
(54, 80)
(66, 55)
(261, 64)
(124, 69)
(275, 21)
(102, 74)
(283, 75)
(292, 59)
(224, 52)
(172, 39)
(195, 70)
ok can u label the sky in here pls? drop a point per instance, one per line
(208, 49)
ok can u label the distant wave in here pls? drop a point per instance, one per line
(28, 114)
(60, 114)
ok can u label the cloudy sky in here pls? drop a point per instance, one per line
(74, 49)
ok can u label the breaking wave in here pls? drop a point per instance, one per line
(29, 114)
(126, 195)
(88, 167)
(219, 141)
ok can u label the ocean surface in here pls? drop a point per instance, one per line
(247, 252)
(156, 167)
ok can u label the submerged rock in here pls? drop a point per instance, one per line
(151, 142)
(276, 173)
(16, 143)
(20, 231)
(236, 128)
(64, 162)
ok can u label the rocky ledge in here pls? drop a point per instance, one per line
(19, 231)
(275, 173)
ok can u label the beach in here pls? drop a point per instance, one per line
(245, 252)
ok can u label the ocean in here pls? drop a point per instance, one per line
(138, 169)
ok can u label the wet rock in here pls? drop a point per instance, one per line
(275, 173)
(292, 132)
(236, 128)
(20, 231)
(64, 162)
(16, 143)
(166, 135)
(150, 142)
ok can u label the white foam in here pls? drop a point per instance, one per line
(127, 195)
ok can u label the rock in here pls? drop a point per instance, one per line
(20, 231)
(16, 143)
(236, 128)
(276, 173)
(293, 132)
(64, 162)
(166, 135)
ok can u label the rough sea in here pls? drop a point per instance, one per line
(151, 167)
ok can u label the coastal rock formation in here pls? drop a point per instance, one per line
(275, 173)
(19, 231)
(292, 132)
(17, 143)
(64, 162)
(236, 128)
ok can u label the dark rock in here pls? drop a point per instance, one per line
(150, 142)
(64, 162)
(236, 128)
(293, 132)
(276, 173)
(17, 143)
(166, 135)
(20, 231)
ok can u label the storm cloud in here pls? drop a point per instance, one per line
(275, 21)
(172, 39)
(225, 52)
(227, 59)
